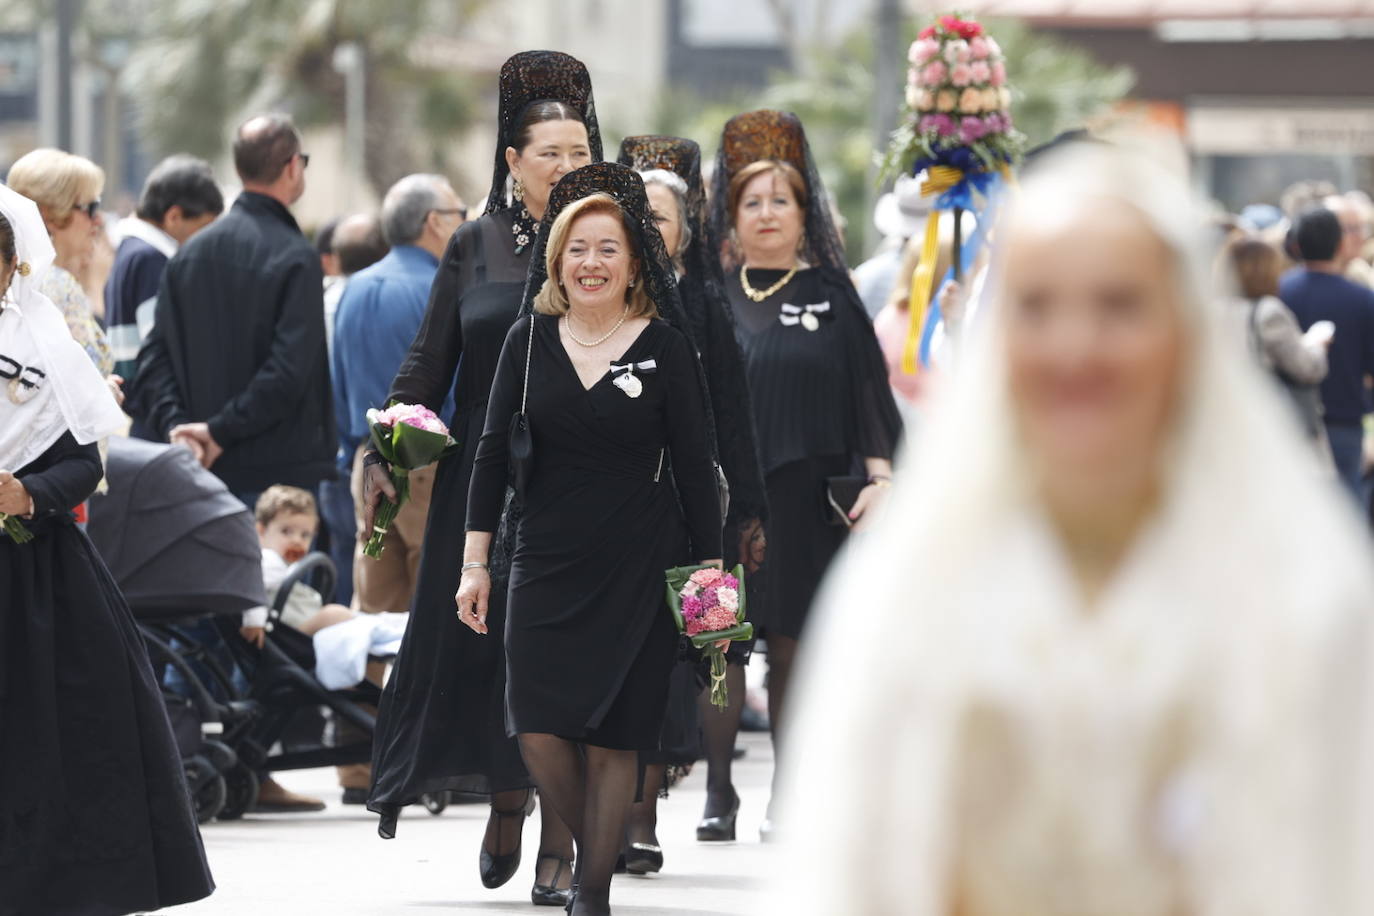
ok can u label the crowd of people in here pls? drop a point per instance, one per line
(644, 367)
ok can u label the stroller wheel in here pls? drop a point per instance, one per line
(207, 788)
(435, 802)
(241, 786)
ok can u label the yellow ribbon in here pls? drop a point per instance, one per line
(939, 179)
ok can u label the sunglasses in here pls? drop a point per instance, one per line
(90, 209)
(448, 211)
(305, 159)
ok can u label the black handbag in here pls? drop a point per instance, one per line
(841, 493)
(521, 441)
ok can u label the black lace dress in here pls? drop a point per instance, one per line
(589, 640)
(95, 818)
(441, 723)
(822, 404)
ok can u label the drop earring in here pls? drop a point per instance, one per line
(518, 192)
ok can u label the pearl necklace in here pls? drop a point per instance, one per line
(567, 326)
(760, 295)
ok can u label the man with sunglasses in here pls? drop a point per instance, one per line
(380, 312)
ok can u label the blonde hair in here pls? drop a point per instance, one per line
(278, 499)
(552, 299)
(57, 181)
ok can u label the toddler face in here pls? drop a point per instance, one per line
(289, 534)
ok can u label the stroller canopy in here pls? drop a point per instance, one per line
(177, 542)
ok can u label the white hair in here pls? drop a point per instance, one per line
(408, 204)
(673, 182)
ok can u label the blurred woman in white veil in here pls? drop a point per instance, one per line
(1117, 631)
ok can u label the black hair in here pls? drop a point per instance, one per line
(537, 112)
(1316, 235)
(181, 181)
(7, 253)
(262, 152)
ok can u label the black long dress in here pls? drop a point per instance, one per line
(822, 404)
(441, 721)
(95, 818)
(589, 641)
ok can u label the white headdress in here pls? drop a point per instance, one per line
(48, 385)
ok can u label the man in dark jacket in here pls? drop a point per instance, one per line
(235, 368)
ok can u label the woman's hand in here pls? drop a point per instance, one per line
(116, 383)
(870, 498)
(752, 544)
(376, 483)
(14, 498)
(474, 591)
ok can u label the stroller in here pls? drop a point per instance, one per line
(186, 555)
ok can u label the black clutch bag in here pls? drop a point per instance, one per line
(840, 495)
(521, 441)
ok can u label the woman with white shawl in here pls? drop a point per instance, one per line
(95, 818)
(1117, 631)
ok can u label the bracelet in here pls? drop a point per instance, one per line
(467, 566)
(880, 480)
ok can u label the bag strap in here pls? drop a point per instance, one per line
(529, 348)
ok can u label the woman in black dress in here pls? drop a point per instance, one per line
(611, 394)
(441, 722)
(95, 818)
(671, 168)
(823, 408)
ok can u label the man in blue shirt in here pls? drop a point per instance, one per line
(378, 317)
(1316, 291)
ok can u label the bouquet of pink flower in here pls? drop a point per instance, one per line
(708, 605)
(409, 437)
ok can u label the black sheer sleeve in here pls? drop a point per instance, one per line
(426, 374)
(731, 406)
(490, 471)
(690, 447)
(61, 477)
(876, 422)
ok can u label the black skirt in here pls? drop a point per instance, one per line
(95, 817)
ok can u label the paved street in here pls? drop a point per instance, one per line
(334, 863)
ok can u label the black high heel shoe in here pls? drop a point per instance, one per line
(387, 816)
(572, 899)
(551, 894)
(720, 829)
(498, 869)
(644, 859)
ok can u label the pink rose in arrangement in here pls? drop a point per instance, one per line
(998, 76)
(946, 100)
(971, 129)
(693, 608)
(994, 49)
(728, 597)
(971, 101)
(961, 74)
(923, 50)
(719, 618)
(957, 52)
(979, 72)
(934, 74)
(707, 576)
(978, 48)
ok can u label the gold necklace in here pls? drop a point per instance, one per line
(760, 295)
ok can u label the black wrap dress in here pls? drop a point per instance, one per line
(441, 722)
(590, 643)
(95, 818)
(822, 404)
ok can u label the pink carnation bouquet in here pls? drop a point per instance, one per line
(708, 605)
(409, 437)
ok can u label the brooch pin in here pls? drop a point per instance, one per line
(627, 381)
(803, 315)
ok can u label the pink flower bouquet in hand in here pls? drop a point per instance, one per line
(708, 605)
(409, 437)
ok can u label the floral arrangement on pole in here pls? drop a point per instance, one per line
(959, 131)
(408, 437)
(708, 605)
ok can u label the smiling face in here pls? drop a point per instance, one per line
(555, 148)
(768, 220)
(667, 215)
(596, 265)
(1095, 342)
(289, 534)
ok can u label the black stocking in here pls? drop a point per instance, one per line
(555, 839)
(592, 794)
(643, 825)
(720, 729)
(782, 652)
(503, 833)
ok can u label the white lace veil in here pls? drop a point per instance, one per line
(52, 373)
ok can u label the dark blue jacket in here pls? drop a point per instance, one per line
(1316, 296)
